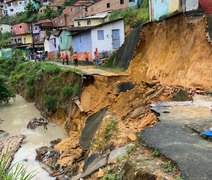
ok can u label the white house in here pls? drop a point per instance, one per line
(107, 37)
(12, 7)
(5, 28)
(51, 44)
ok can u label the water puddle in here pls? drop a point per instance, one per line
(16, 116)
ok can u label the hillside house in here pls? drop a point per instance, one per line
(65, 40)
(21, 28)
(12, 7)
(74, 11)
(107, 5)
(92, 20)
(107, 37)
(159, 9)
(5, 28)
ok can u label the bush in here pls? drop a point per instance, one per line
(50, 104)
(16, 172)
(6, 92)
(68, 91)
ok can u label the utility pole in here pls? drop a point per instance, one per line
(33, 45)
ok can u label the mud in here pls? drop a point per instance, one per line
(175, 52)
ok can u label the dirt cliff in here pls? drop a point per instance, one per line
(174, 51)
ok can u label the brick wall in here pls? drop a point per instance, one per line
(107, 5)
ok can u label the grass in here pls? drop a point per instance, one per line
(156, 153)
(168, 168)
(50, 83)
(16, 172)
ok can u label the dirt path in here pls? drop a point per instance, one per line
(174, 139)
(91, 70)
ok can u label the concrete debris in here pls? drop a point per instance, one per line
(34, 123)
(8, 148)
(138, 112)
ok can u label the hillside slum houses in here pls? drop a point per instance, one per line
(82, 26)
(160, 9)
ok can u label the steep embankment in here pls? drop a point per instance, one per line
(175, 52)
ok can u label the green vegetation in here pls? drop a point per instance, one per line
(5, 90)
(109, 129)
(16, 172)
(30, 15)
(156, 153)
(168, 168)
(35, 79)
(5, 38)
(133, 16)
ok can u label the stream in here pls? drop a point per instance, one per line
(16, 116)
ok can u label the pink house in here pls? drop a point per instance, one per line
(22, 28)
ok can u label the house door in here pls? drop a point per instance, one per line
(115, 38)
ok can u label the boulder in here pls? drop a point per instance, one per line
(137, 112)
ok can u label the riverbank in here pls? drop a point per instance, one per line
(16, 116)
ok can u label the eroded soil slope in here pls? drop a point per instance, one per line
(176, 52)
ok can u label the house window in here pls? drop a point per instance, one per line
(11, 10)
(121, 1)
(19, 39)
(78, 23)
(20, 2)
(24, 40)
(131, 0)
(100, 34)
(20, 27)
(88, 22)
(108, 5)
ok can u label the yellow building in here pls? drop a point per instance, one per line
(92, 20)
(26, 39)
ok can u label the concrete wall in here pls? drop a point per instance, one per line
(21, 28)
(26, 39)
(206, 6)
(5, 28)
(82, 42)
(163, 8)
(65, 40)
(51, 44)
(191, 5)
(106, 44)
(93, 22)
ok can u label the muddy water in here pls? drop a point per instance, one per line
(16, 115)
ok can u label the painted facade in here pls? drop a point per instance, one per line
(13, 7)
(5, 28)
(206, 6)
(65, 40)
(106, 37)
(26, 39)
(92, 20)
(158, 9)
(21, 28)
(191, 5)
(51, 44)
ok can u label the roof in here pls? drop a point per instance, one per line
(96, 16)
(56, 33)
(93, 27)
(83, 3)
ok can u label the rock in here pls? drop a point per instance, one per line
(118, 153)
(130, 173)
(41, 152)
(181, 95)
(132, 137)
(100, 173)
(123, 87)
(34, 123)
(93, 167)
(56, 141)
(151, 84)
(137, 112)
(3, 134)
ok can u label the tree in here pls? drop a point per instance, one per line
(30, 9)
(48, 12)
(6, 92)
